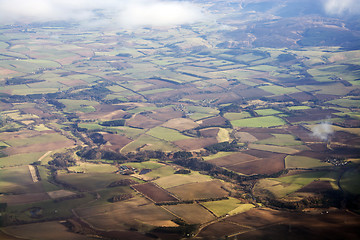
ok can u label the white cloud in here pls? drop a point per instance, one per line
(322, 130)
(339, 7)
(125, 13)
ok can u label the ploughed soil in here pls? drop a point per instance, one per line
(153, 192)
(263, 223)
(194, 144)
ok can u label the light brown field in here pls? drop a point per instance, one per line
(203, 190)
(191, 213)
(180, 124)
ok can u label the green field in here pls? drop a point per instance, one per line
(267, 112)
(146, 142)
(223, 207)
(166, 134)
(20, 159)
(350, 181)
(236, 116)
(273, 148)
(44, 138)
(281, 140)
(268, 121)
(89, 181)
(304, 162)
(278, 90)
(79, 105)
(147, 164)
(93, 168)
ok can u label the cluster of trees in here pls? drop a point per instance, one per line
(121, 197)
(224, 147)
(62, 160)
(122, 182)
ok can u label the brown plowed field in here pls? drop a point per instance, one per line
(153, 192)
(117, 141)
(141, 121)
(215, 121)
(262, 166)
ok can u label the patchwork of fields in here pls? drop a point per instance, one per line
(191, 131)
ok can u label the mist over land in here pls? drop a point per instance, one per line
(163, 119)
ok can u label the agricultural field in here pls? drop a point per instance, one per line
(240, 123)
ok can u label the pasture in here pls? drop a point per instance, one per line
(267, 121)
(191, 213)
(227, 206)
(166, 134)
(292, 161)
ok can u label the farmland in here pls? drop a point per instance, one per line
(241, 124)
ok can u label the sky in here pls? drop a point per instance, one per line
(123, 13)
(126, 13)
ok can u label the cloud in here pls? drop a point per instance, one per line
(340, 7)
(124, 13)
(322, 130)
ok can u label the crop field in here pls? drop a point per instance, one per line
(146, 142)
(153, 192)
(202, 190)
(350, 181)
(261, 166)
(140, 214)
(89, 181)
(85, 167)
(159, 173)
(267, 121)
(227, 206)
(180, 124)
(280, 187)
(174, 180)
(166, 134)
(16, 180)
(191, 213)
(281, 140)
(45, 231)
(273, 148)
(20, 159)
(236, 116)
(292, 161)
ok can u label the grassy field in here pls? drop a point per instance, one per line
(44, 138)
(278, 90)
(146, 142)
(15, 179)
(350, 181)
(79, 105)
(20, 159)
(273, 148)
(217, 155)
(280, 187)
(281, 140)
(166, 134)
(181, 179)
(236, 116)
(304, 162)
(267, 121)
(191, 213)
(267, 112)
(147, 164)
(90, 181)
(223, 207)
(93, 168)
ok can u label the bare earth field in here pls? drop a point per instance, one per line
(153, 192)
